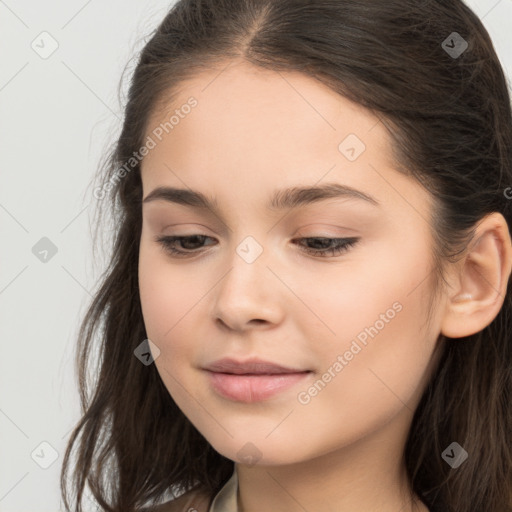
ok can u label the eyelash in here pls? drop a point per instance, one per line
(342, 246)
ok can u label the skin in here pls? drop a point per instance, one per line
(255, 131)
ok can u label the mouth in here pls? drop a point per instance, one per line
(253, 380)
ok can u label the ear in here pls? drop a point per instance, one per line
(482, 280)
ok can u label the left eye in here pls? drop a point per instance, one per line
(329, 246)
(322, 246)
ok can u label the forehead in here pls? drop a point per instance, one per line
(240, 103)
(253, 129)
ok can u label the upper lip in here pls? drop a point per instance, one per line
(252, 366)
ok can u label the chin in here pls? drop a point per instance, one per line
(257, 451)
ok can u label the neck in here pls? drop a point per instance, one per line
(368, 475)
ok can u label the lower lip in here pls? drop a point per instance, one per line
(253, 388)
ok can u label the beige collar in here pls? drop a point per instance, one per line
(226, 499)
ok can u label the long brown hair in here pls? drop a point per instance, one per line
(447, 108)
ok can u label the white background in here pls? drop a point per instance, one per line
(58, 115)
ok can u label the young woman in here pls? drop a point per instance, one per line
(307, 306)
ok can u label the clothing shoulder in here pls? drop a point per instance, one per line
(192, 501)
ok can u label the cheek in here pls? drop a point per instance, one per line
(167, 295)
(373, 382)
(168, 299)
(379, 359)
(373, 348)
(377, 295)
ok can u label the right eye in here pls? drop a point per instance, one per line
(169, 244)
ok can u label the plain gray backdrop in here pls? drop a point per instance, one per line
(61, 66)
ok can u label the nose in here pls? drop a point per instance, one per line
(249, 295)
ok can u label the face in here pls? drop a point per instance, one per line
(333, 288)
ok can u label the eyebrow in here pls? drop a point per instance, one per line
(282, 199)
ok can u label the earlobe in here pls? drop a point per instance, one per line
(482, 280)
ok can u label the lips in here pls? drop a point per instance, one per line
(252, 380)
(251, 366)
